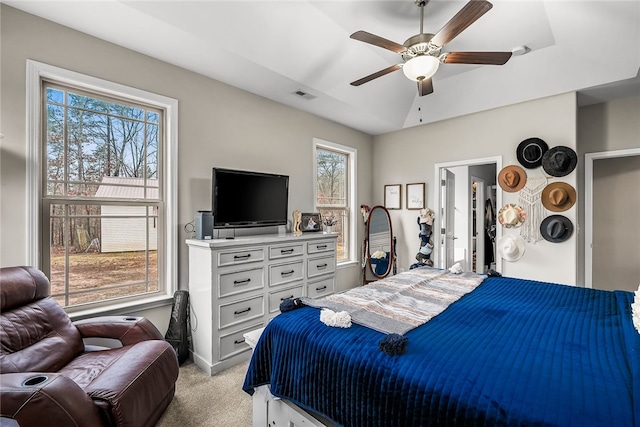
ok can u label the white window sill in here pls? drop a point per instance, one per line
(123, 308)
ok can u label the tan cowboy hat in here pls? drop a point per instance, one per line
(512, 178)
(558, 196)
(511, 215)
(510, 247)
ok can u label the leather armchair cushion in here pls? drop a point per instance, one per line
(128, 382)
(21, 286)
(127, 330)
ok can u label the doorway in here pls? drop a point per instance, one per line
(461, 216)
(612, 227)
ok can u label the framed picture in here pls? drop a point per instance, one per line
(310, 222)
(415, 196)
(393, 196)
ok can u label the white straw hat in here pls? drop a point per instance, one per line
(510, 247)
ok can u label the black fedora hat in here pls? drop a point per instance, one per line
(530, 152)
(556, 228)
(559, 161)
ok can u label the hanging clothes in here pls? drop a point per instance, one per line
(489, 231)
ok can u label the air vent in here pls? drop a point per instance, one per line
(304, 95)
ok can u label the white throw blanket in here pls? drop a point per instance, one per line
(635, 310)
(399, 303)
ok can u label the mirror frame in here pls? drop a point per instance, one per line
(367, 249)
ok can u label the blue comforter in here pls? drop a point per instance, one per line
(512, 352)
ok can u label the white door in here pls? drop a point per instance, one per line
(447, 217)
(478, 232)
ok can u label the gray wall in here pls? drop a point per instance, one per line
(410, 156)
(219, 125)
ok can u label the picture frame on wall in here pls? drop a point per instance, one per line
(415, 196)
(393, 196)
(310, 222)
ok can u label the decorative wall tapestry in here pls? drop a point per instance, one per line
(529, 199)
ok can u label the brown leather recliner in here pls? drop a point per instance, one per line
(48, 376)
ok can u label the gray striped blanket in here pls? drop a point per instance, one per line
(399, 303)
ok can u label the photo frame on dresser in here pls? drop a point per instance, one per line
(415, 196)
(310, 222)
(393, 196)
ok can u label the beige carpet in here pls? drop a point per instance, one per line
(209, 401)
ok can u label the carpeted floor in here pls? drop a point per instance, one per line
(209, 401)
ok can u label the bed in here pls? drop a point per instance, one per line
(509, 352)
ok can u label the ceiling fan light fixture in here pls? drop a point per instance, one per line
(420, 67)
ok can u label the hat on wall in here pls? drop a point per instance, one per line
(426, 216)
(512, 178)
(530, 152)
(510, 247)
(559, 161)
(511, 215)
(556, 228)
(558, 196)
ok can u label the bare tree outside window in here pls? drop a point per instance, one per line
(332, 187)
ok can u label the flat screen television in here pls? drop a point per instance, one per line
(248, 199)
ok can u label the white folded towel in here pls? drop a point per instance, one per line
(341, 319)
(456, 268)
(635, 310)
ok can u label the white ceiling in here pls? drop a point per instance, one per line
(275, 48)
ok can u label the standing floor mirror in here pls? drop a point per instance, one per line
(378, 255)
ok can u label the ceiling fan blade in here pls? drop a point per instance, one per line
(465, 17)
(363, 36)
(376, 75)
(425, 87)
(488, 58)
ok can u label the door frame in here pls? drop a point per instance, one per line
(497, 160)
(588, 205)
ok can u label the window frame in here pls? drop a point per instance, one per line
(36, 72)
(351, 153)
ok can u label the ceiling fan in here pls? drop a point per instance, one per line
(422, 53)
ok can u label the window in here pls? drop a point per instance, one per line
(104, 191)
(335, 192)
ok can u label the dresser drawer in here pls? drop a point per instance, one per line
(319, 266)
(285, 273)
(276, 252)
(275, 298)
(322, 246)
(241, 281)
(237, 257)
(241, 311)
(235, 342)
(321, 287)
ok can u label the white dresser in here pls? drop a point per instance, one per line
(236, 286)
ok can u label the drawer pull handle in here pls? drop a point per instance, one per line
(287, 273)
(321, 247)
(286, 251)
(247, 256)
(321, 288)
(236, 342)
(241, 282)
(246, 310)
(321, 266)
(282, 299)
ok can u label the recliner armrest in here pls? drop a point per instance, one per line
(34, 398)
(127, 329)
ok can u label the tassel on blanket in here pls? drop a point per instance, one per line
(393, 344)
(290, 304)
(341, 319)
